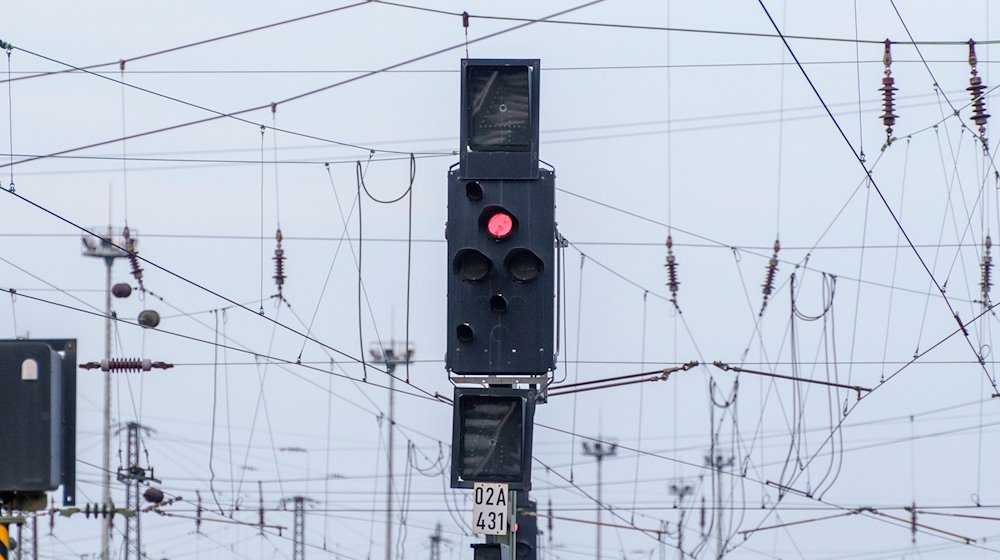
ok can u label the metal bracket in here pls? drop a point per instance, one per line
(538, 382)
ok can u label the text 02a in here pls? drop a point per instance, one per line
(490, 508)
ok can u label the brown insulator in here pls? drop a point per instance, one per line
(197, 519)
(279, 263)
(133, 258)
(888, 90)
(126, 365)
(975, 89)
(550, 521)
(703, 516)
(671, 265)
(987, 270)
(772, 270)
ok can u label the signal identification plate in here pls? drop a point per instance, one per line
(490, 508)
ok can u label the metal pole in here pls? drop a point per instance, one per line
(391, 355)
(512, 517)
(680, 492)
(133, 549)
(299, 529)
(108, 250)
(600, 503)
(718, 524)
(436, 543)
(717, 463)
(663, 541)
(599, 451)
(388, 475)
(106, 444)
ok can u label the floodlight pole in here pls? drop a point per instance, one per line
(717, 462)
(680, 492)
(599, 450)
(436, 539)
(133, 475)
(299, 529)
(391, 355)
(104, 249)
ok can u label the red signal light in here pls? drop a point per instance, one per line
(500, 224)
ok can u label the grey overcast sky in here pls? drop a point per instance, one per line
(681, 118)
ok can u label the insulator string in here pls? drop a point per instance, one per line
(279, 265)
(987, 270)
(888, 90)
(465, 25)
(133, 258)
(975, 89)
(767, 287)
(671, 265)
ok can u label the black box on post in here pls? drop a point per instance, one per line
(501, 276)
(37, 418)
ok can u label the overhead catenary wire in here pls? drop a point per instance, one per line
(210, 291)
(652, 534)
(804, 464)
(217, 162)
(609, 25)
(753, 250)
(340, 241)
(370, 233)
(201, 42)
(237, 114)
(639, 415)
(261, 213)
(575, 68)
(217, 115)
(881, 195)
(266, 358)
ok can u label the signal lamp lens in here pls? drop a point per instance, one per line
(473, 190)
(465, 333)
(498, 303)
(524, 265)
(500, 225)
(472, 265)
